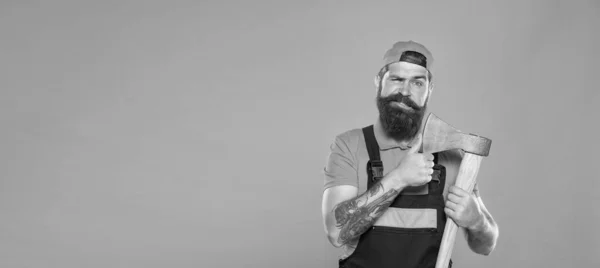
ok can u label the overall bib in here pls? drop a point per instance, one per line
(394, 247)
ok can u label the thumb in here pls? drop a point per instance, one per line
(416, 144)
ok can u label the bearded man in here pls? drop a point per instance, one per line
(384, 202)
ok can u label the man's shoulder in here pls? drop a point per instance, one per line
(350, 138)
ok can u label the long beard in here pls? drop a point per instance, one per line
(398, 123)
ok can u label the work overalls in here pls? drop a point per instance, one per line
(393, 247)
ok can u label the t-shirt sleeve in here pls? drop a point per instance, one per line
(341, 164)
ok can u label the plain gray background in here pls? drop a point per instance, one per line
(194, 134)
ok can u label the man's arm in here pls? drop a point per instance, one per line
(347, 216)
(467, 209)
(482, 236)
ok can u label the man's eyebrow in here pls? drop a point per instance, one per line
(393, 76)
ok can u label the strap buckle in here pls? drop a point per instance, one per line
(375, 169)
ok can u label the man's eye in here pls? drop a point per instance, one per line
(418, 83)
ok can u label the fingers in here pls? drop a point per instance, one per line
(427, 171)
(428, 160)
(428, 167)
(452, 205)
(458, 191)
(450, 213)
(454, 198)
(417, 145)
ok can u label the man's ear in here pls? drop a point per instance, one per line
(431, 86)
(429, 91)
(376, 81)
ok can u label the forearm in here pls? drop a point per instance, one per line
(355, 216)
(482, 237)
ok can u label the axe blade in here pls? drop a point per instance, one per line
(440, 136)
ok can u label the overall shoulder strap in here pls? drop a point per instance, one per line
(372, 145)
(374, 166)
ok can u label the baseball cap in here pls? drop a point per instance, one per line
(399, 50)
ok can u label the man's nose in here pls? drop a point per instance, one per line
(404, 88)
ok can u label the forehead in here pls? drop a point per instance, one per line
(406, 69)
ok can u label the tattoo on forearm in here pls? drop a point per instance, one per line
(356, 215)
(376, 188)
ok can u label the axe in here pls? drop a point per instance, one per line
(440, 136)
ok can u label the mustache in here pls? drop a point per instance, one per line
(398, 97)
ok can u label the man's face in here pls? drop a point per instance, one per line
(402, 99)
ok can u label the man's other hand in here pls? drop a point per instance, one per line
(463, 208)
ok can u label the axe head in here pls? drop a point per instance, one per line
(440, 136)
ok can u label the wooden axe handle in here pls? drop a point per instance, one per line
(469, 167)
